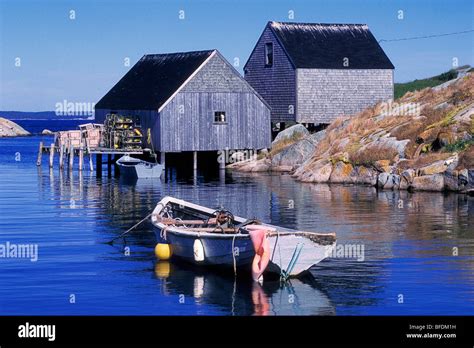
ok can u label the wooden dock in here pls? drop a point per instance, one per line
(68, 155)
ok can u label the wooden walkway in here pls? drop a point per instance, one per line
(68, 155)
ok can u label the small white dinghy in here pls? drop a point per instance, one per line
(186, 225)
(135, 168)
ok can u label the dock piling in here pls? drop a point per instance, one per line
(98, 164)
(116, 166)
(61, 157)
(163, 163)
(71, 157)
(195, 161)
(222, 163)
(81, 158)
(91, 164)
(162, 159)
(40, 154)
(51, 156)
(109, 165)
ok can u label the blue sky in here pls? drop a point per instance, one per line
(79, 60)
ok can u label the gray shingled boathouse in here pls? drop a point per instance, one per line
(312, 73)
(191, 102)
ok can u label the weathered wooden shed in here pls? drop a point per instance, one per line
(312, 73)
(191, 101)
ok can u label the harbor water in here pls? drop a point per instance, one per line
(397, 253)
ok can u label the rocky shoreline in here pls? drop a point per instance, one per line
(11, 129)
(430, 150)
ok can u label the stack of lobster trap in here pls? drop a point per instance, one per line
(122, 132)
(68, 139)
(118, 133)
(92, 134)
(89, 136)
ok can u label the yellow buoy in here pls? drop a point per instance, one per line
(162, 269)
(163, 251)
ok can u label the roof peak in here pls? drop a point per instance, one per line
(153, 80)
(159, 55)
(325, 45)
(277, 23)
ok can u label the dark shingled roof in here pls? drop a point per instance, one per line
(152, 81)
(324, 46)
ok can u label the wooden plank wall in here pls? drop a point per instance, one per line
(188, 122)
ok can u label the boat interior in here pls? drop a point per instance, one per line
(219, 221)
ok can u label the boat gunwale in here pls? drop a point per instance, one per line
(133, 162)
(279, 232)
(204, 234)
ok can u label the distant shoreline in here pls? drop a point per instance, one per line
(42, 115)
(37, 126)
(50, 119)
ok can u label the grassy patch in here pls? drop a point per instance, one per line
(402, 88)
(338, 158)
(423, 160)
(372, 154)
(355, 137)
(282, 144)
(458, 146)
(448, 119)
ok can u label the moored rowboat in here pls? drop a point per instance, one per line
(135, 168)
(205, 236)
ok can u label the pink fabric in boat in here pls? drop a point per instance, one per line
(262, 252)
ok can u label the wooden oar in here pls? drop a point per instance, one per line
(170, 221)
(287, 233)
(320, 238)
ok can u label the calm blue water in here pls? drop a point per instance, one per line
(37, 126)
(408, 249)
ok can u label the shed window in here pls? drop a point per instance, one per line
(220, 117)
(269, 54)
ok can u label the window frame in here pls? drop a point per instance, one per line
(269, 54)
(219, 113)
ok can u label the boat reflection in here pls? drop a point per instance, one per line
(240, 295)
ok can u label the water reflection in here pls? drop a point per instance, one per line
(409, 239)
(241, 296)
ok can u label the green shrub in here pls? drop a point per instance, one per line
(416, 85)
(458, 146)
